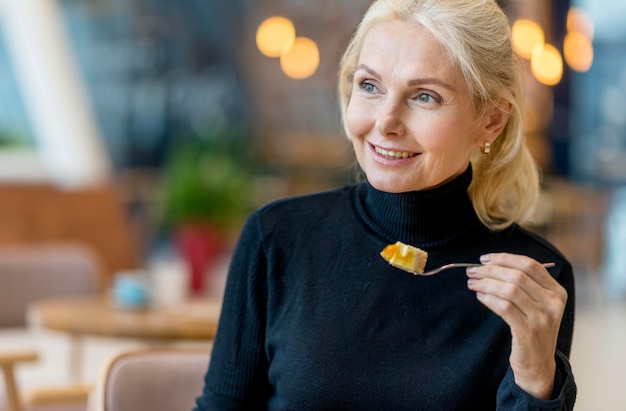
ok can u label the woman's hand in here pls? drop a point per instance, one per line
(531, 302)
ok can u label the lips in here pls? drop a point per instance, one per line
(394, 155)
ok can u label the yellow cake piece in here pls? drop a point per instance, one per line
(405, 257)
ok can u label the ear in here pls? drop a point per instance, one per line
(495, 121)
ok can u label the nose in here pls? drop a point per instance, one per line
(390, 119)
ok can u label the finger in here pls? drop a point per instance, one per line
(523, 263)
(508, 296)
(502, 296)
(505, 309)
(512, 276)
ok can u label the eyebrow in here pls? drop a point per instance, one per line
(412, 82)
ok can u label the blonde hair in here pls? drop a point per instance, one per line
(476, 34)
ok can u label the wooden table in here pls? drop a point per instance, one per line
(196, 320)
(97, 316)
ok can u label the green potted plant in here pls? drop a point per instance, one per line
(207, 186)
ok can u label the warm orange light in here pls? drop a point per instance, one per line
(546, 65)
(526, 35)
(275, 36)
(578, 20)
(578, 51)
(302, 60)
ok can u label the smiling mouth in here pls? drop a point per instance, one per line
(394, 155)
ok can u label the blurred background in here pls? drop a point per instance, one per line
(149, 129)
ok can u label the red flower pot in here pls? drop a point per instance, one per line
(200, 246)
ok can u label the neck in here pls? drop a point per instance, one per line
(423, 218)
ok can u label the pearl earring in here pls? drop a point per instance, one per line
(486, 148)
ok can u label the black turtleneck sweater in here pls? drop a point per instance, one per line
(315, 319)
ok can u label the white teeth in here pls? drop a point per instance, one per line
(393, 154)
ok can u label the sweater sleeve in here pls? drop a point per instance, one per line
(511, 397)
(237, 374)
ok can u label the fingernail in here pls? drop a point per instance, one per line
(485, 258)
(471, 282)
(471, 271)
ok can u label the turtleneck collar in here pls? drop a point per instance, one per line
(425, 219)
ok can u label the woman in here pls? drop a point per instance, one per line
(315, 319)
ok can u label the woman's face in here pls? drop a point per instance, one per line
(410, 115)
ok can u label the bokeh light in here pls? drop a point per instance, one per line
(302, 60)
(275, 36)
(578, 51)
(578, 20)
(546, 64)
(526, 35)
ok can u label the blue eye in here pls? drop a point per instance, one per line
(426, 98)
(368, 87)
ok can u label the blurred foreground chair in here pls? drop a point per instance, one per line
(154, 379)
(29, 273)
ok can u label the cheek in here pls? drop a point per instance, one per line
(358, 122)
(449, 137)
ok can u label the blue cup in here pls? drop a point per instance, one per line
(130, 289)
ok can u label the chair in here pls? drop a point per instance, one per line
(28, 273)
(155, 379)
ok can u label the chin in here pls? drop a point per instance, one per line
(389, 186)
